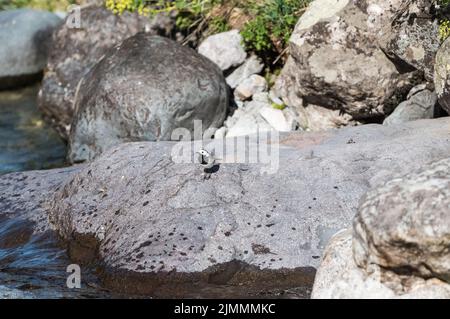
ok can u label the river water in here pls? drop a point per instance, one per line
(32, 266)
(26, 142)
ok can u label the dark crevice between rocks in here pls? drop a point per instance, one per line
(407, 272)
(17, 82)
(400, 65)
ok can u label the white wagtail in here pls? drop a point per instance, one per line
(207, 160)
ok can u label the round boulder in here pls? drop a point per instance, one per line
(77, 48)
(24, 38)
(142, 90)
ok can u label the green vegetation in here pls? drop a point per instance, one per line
(267, 30)
(278, 106)
(444, 30)
(271, 29)
(190, 13)
(51, 5)
(444, 26)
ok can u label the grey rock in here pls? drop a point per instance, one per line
(404, 225)
(25, 36)
(338, 277)
(75, 51)
(250, 86)
(146, 216)
(130, 97)
(275, 118)
(248, 124)
(414, 38)
(225, 49)
(420, 105)
(22, 194)
(442, 75)
(336, 61)
(253, 65)
(247, 120)
(291, 118)
(318, 118)
(262, 97)
(280, 90)
(221, 132)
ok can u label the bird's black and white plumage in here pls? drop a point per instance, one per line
(206, 159)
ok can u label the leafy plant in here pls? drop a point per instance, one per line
(188, 11)
(444, 30)
(443, 14)
(267, 32)
(218, 25)
(278, 106)
(271, 29)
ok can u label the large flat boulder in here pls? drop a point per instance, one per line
(154, 223)
(25, 37)
(22, 194)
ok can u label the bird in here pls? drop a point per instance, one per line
(207, 160)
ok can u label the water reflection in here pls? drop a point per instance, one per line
(26, 142)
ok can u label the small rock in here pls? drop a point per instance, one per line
(253, 65)
(275, 118)
(275, 99)
(420, 105)
(262, 97)
(225, 49)
(239, 103)
(248, 124)
(254, 84)
(221, 132)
